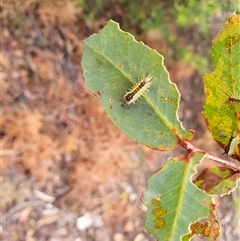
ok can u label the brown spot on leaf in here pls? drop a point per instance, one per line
(207, 179)
(158, 212)
(209, 229)
(97, 94)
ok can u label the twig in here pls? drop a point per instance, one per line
(230, 165)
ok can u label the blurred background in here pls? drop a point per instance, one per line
(67, 173)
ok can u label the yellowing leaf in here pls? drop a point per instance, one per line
(222, 88)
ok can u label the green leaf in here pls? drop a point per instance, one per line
(221, 112)
(217, 180)
(112, 62)
(178, 200)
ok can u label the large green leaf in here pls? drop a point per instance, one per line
(173, 201)
(222, 86)
(112, 62)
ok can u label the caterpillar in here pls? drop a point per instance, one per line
(231, 99)
(137, 91)
(232, 145)
(226, 149)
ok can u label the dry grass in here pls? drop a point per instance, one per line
(55, 136)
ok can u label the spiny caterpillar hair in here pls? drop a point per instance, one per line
(137, 91)
(232, 99)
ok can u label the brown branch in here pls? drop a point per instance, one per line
(229, 164)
